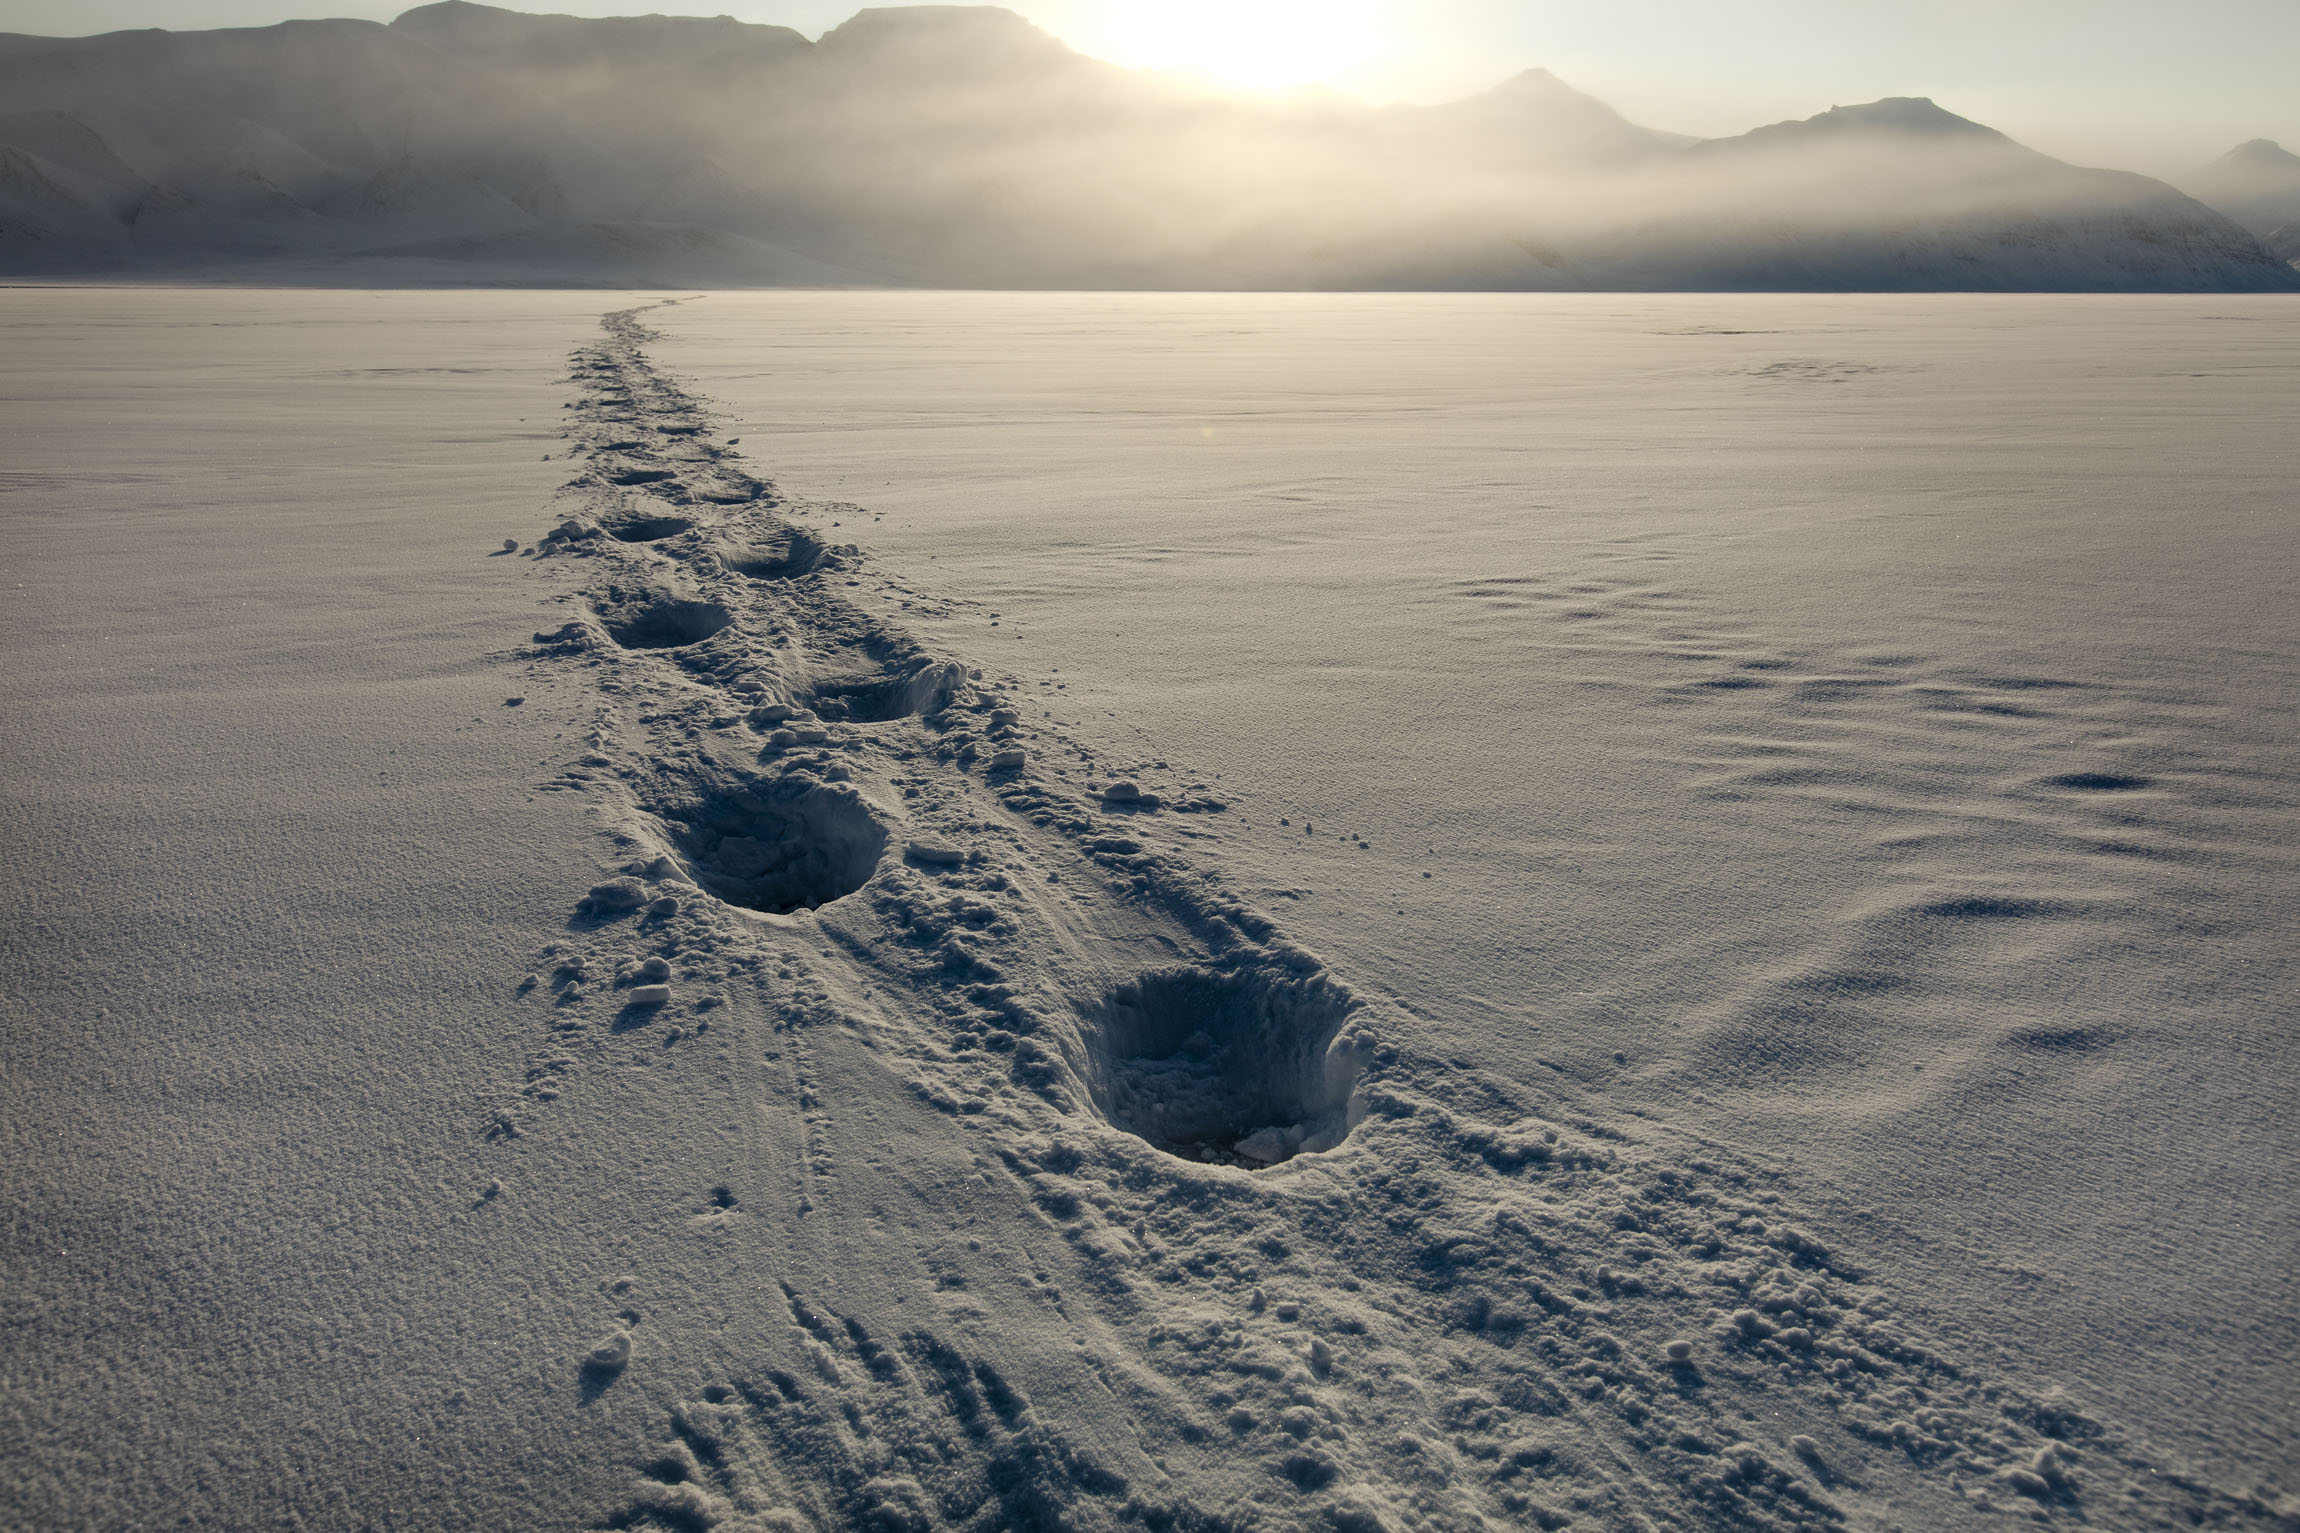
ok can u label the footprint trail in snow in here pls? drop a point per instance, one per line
(1222, 1249)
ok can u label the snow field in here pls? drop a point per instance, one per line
(798, 1042)
(1655, 694)
(1326, 1279)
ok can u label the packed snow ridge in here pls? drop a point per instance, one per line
(960, 146)
(1319, 1280)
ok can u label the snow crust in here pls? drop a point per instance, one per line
(1711, 655)
(740, 1010)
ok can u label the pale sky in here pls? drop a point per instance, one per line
(2152, 85)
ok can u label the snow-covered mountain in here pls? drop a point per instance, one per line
(1902, 195)
(962, 146)
(2255, 183)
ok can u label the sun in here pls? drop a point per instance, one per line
(1256, 45)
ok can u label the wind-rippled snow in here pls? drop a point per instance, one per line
(1870, 718)
(932, 911)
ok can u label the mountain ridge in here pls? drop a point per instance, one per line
(963, 146)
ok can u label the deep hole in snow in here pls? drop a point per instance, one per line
(647, 529)
(784, 558)
(1247, 1068)
(663, 622)
(895, 693)
(779, 846)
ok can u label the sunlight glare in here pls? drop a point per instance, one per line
(1258, 45)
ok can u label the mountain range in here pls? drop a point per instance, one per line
(961, 146)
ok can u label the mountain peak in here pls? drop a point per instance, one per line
(912, 25)
(1534, 116)
(1892, 120)
(2261, 153)
(1899, 115)
(1538, 86)
(2257, 183)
